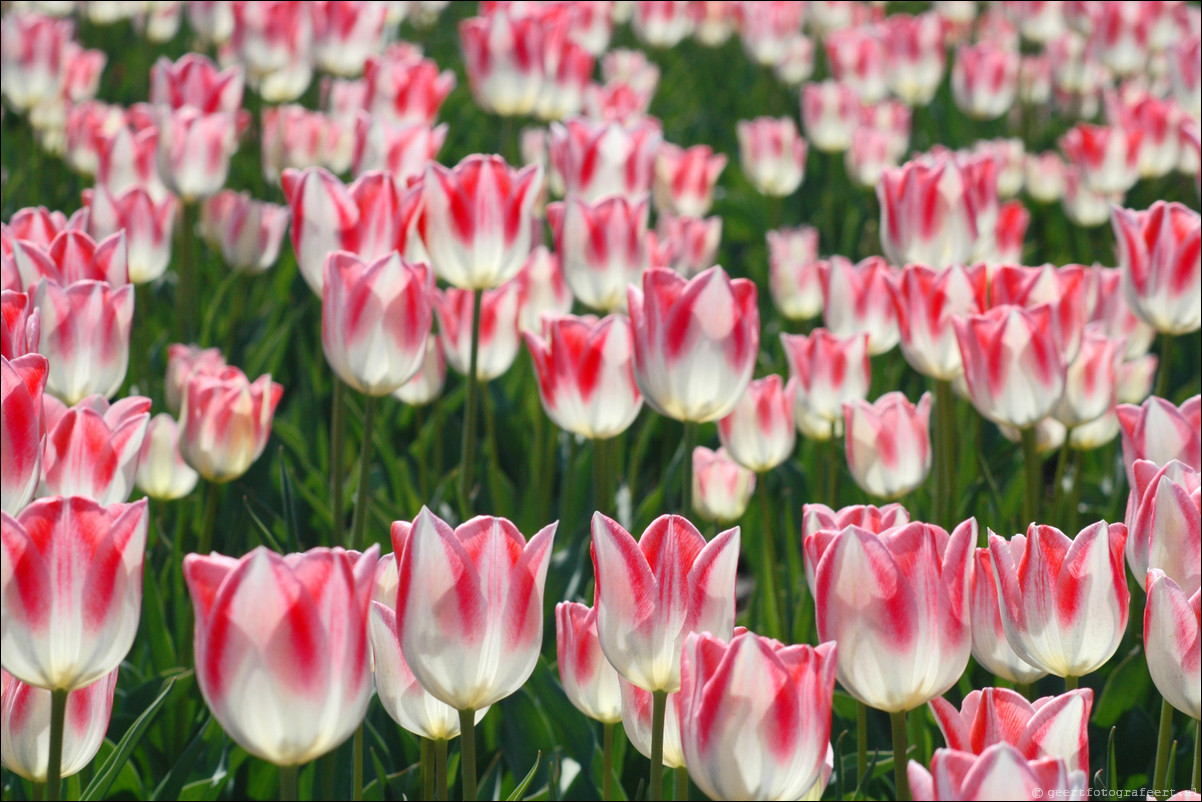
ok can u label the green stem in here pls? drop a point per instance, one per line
(1074, 499)
(423, 458)
(901, 780)
(467, 463)
(607, 761)
(832, 472)
(1160, 784)
(337, 450)
(186, 300)
(467, 748)
(440, 769)
(1024, 688)
(659, 708)
(945, 422)
(357, 764)
(682, 784)
(39, 791)
(1197, 756)
(604, 466)
(289, 783)
(204, 542)
(1166, 357)
(861, 742)
(1071, 683)
(427, 768)
(326, 779)
(236, 312)
(1058, 494)
(362, 492)
(767, 563)
(1034, 479)
(58, 718)
(686, 468)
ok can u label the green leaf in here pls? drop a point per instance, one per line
(524, 784)
(1126, 688)
(111, 768)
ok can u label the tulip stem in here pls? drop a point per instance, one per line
(357, 764)
(686, 470)
(204, 543)
(604, 467)
(1160, 783)
(186, 299)
(58, 718)
(1071, 683)
(767, 563)
(467, 463)
(289, 783)
(682, 784)
(427, 760)
(1058, 494)
(467, 749)
(861, 742)
(1166, 357)
(39, 791)
(337, 449)
(832, 473)
(659, 708)
(945, 420)
(607, 761)
(1197, 756)
(359, 521)
(900, 779)
(440, 769)
(1033, 479)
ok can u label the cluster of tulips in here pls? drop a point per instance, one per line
(419, 266)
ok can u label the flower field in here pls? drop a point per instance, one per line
(601, 400)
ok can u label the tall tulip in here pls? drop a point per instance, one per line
(755, 696)
(590, 682)
(602, 245)
(990, 646)
(830, 371)
(926, 214)
(282, 654)
(22, 427)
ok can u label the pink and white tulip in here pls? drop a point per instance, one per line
(915, 55)
(1163, 522)
(1107, 156)
(602, 245)
(72, 589)
(543, 289)
(85, 330)
(20, 325)
(985, 80)
(1000, 772)
(225, 421)
(499, 335)
(597, 159)
(888, 443)
(247, 232)
(685, 179)
(401, 87)
(504, 59)
(589, 681)
(402, 149)
(346, 34)
(927, 215)
(794, 278)
(92, 448)
(275, 41)
(1172, 641)
(927, 301)
(637, 713)
(194, 80)
(990, 647)
(162, 473)
(693, 242)
(857, 58)
(194, 151)
(722, 488)
(830, 371)
(1160, 254)
(148, 227)
(830, 113)
(1160, 431)
(426, 385)
(759, 432)
(856, 298)
(182, 360)
(772, 154)
(22, 428)
(71, 256)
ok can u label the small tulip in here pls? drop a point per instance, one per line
(772, 154)
(1171, 642)
(990, 647)
(685, 179)
(590, 682)
(1164, 522)
(426, 384)
(856, 298)
(985, 80)
(1161, 259)
(162, 473)
(722, 487)
(830, 371)
(1000, 772)
(888, 443)
(225, 421)
(1160, 431)
(499, 336)
(92, 448)
(794, 279)
(759, 432)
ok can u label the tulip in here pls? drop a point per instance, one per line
(212, 20)
(694, 341)
(72, 589)
(927, 301)
(375, 320)
(543, 290)
(20, 325)
(1054, 726)
(926, 214)
(586, 374)
(286, 707)
(1163, 526)
(989, 645)
(638, 720)
(1171, 642)
(22, 428)
(567, 70)
(476, 223)
(856, 298)
(766, 29)
(1185, 74)
(401, 87)
(92, 449)
(1091, 381)
(162, 473)
(872, 152)
(984, 80)
(1012, 364)
(499, 340)
(225, 421)
(403, 697)
(793, 276)
(693, 242)
(755, 694)
(1008, 234)
(596, 159)
(590, 682)
(34, 56)
(402, 149)
(296, 138)
(914, 53)
(194, 80)
(275, 42)
(147, 225)
(25, 747)
(685, 179)
(661, 23)
(820, 524)
(1158, 123)
(503, 55)
(773, 155)
(346, 34)
(888, 443)
(247, 232)
(631, 67)
(829, 371)
(1063, 600)
(426, 384)
(830, 114)
(1000, 772)
(1082, 205)
(897, 603)
(182, 361)
(1159, 431)
(602, 245)
(85, 334)
(1108, 156)
(194, 151)
(857, 58)
(469, 608)
(70, 257)
(129, 158)
(1159, 253)
(722, 488)
(759, 432)
(1110, 311)
(40, 226)
(1044, 176)
(1064, 289)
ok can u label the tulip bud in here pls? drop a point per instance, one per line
(162, 473)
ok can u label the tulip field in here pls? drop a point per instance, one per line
(601, 400)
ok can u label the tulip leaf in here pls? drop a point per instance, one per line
(1125, 688)
(108, 772)
(524, 784)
